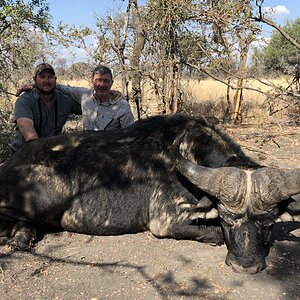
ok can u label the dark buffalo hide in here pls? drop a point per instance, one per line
(108, 183)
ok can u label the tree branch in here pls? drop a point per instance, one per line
(279, 29)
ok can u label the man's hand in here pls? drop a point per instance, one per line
(25, 88)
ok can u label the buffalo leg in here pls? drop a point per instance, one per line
(206, 234)
(23, 236)
(211, 235)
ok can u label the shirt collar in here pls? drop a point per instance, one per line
(115, 96)
(36, 95)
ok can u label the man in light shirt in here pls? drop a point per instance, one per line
(102, 108)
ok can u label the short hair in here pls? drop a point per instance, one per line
(101, 69)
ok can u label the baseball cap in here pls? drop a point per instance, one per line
(43, 66)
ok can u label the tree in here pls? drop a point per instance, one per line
(20, 21)
(280, 96)
(163, 25)
(80, 70)
(22, 24)
(280, 54)
(139, 37)
(158, 42)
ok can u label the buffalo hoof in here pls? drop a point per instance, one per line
(23, 239)
(294, 208)
(17, 245)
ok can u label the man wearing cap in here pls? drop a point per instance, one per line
(43, 111)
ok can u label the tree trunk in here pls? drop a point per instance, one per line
(139, 42)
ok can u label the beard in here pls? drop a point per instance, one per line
(45, 92)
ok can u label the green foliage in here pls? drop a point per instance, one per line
(6, 128)
(18, 12)
(280, 54)
(22, 25)
(6, 137)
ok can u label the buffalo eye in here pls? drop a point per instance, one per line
(266, 220)
(227, 220)
(227, 216)
(266, 223)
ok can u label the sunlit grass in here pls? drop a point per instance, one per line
(211, 94)
(206, 90)
(76, 82)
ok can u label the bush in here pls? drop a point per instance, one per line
(6, 134)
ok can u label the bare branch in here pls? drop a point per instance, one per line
(279, 29)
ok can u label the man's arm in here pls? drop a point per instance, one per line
(74, 92)
(26, 128)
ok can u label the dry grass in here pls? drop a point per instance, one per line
(213, 90)
(208, 97)
(203, 90)
(75, 82)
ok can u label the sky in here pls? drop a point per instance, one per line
(283, 10)
(84, 13)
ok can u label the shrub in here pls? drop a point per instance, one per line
(6, 134)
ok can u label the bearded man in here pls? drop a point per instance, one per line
(44, 110)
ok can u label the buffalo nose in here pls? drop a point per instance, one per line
(245, 266)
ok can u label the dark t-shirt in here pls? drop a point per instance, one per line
(47, 121)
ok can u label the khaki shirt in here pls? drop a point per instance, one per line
(111, 115)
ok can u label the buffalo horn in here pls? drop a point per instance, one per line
(268, 186)
(227, 184)
(276, 185)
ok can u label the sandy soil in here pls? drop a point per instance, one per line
(74, 266)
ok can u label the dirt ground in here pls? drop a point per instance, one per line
(73, 266)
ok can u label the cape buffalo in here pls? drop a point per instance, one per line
(138, 178)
